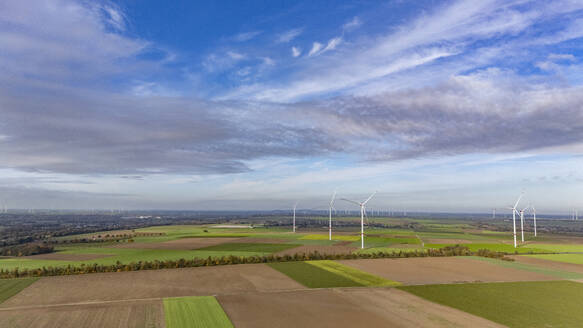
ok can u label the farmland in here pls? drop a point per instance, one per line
(165, 243)
(195, 312)
(296, 291)
(11, 287)
(516, 304)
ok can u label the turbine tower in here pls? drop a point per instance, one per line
(294, 221)
(362, 214)
(522, 222)
(514, 211)
(534, 218)
(330, 222)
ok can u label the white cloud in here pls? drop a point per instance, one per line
(332, 44)
(567, 57)
(289, 35)
(115, 18)
(242, 37)
(268, 61)
(448, 30)
(353, 24)
(316, 46)
(296, 51)
(235, 55)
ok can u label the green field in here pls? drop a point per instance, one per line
(11, 287)
(123, 255)
(532, 268)
(249, 247)
(373, 250)
(515, 304)
(567, 258)
(312, 276)
(363, 278)
(195, 312)
(334, 237)
(327, 274)
(558, 248)
(495, 247)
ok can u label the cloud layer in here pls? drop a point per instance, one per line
(430, 88)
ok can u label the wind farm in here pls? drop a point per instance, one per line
(260, 164)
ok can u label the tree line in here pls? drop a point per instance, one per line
(456, 250)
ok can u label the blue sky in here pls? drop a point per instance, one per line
(438, 105)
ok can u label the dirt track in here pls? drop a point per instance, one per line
(153, 283)
(134, 314)
(439, 270)
(343, 308)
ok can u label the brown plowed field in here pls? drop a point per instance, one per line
(117, 315)
(152, 284)
(343, 308)
(180, 244)
(440, 270)
(571, 267)
(322, 249)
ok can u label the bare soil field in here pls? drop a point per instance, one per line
(343, 308)
(66, 257)
(125, 314)
(322, 249)
(180, 244)
(440, 270)
(153, 284)
(571, 267)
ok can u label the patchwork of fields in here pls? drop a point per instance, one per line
(399, 292)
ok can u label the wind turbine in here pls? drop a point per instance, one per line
(534, 218)
(522, 222)
(514, 211)
(294, 221)
(362, 213)
(330, 222)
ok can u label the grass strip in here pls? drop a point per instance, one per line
(363, 278)
(195, 312)
(313, 276)
(495, 247)
(514, 304)
(334, 237)
(532, 268)
(566, 258)
(249, 247)
(11, 287)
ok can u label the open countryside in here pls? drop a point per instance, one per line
(291, 164)
(145, 276)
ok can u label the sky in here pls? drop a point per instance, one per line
(444, 106)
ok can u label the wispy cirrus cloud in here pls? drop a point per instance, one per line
(443, 84)
(246, 36)
(289, 35)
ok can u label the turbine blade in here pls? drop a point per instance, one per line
(350, 201)
(521, 194)
(333, 197)
(369, 198)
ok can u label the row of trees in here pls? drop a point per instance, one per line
(26, 249)
(456, 250)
